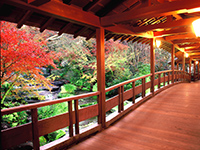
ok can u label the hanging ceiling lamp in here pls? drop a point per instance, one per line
(158, 43)
(186, 55)
(196, 27)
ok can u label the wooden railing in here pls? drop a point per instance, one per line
(32, 131)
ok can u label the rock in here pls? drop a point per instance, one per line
(58, 83)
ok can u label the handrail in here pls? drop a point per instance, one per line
(160, 72)
(42, 104)
(126, 82)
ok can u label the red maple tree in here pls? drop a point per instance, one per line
(22, 57)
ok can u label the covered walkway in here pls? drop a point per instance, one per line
(170, 120)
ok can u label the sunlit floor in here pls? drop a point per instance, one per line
(168, 121)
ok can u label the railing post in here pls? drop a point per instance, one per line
(198, 69)
(35, 132)
(122, 98)
(143, 87)
(159, 80)
(172, 62)
(70, 119)
(133, 86)
(119, 102)
(152, 63)
(76, 116)
(164, 79)
(183, 65)
(101, 75)
(190, 68)
(194, 70)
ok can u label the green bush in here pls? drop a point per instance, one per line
(67, 90)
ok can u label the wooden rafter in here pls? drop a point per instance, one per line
(180, 36)
(50, 9)
(65, 28)
(46, 24)
(91, 35)
(39, 2)
(125, 37)
(80, 31)
(164, 9)
(91, 5)
(24, 18)
(117, 37)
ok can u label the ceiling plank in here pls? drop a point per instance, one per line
(91, 5)
(91, 35)
(44, 26)
(24, 18)
(65, 12)
(163, 9)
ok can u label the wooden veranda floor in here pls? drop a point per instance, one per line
(168, 121)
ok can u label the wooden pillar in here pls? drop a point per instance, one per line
(183, 62)
(101, 75)
(198, 69)
(190, 68)
(152, 63)
(194, 70)
(172, 62)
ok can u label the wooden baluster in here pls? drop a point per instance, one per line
(159, 80)
(70, 118)
(119, 103)
(133, 86)
(35, 132)
(76, 116)
(122, 99)
(164, 79)
(143, 87)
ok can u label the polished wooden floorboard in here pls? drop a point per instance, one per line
(168, 121)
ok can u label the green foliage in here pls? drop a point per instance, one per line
(67, 90)
(52, 110)
(42, 140)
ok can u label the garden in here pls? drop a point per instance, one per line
(38, 67)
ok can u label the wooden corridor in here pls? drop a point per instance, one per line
(170, 121)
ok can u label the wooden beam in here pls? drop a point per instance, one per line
(183, 61)
(180, 36)
(173, 31)
(44, 26)
(152, 63)
(189, 45)
(179, 41)
(101, 75)
(164, 9)
(24, 18)
(167, 24)
(59, 10)
(39, 2)
(172, 61)
(125, 37)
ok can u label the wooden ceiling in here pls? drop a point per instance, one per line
(131, 20)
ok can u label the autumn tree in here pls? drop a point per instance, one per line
(22, 57)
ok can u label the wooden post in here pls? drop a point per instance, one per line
(76, 116)
(122, 98)
(133, 86)
(198, 69)
(143, 87)
(158, 80)
(101, 75)
(70, 119)
(152, 63)
(194, 70)
(190, 68)
(183, 65)
(172, 62)
(119, 101)
(35, 132)
(164, 79)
